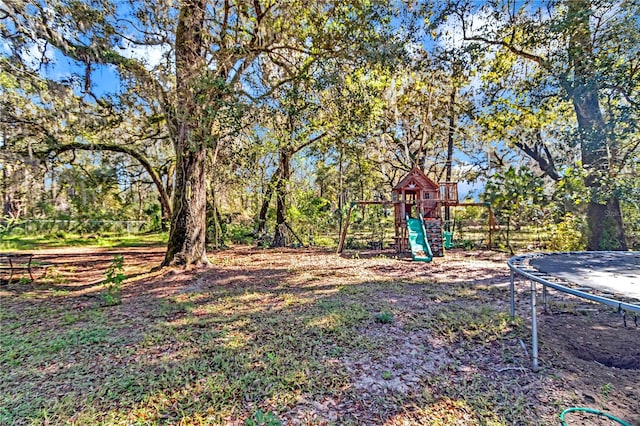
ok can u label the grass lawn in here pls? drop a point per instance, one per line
(264, 336)
(20, 241)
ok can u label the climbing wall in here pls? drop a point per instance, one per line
(433, 229)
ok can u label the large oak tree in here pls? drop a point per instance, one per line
(584, 51)
(210, 53)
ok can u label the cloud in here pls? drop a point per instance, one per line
(151, 56)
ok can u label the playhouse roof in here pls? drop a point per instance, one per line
(415, 179)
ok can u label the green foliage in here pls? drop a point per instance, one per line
(113, 281)
(570, 193)
(517, 196)
(606, 389)
(465, 244)
(384, 317)
(217, 228)
(324, 241)
(632, 217)
(568, 235)
(514, 188)
(566, 105)
(470, 213)
(260, 418)
(312, 212)
(629, 191)
(353, 243)
(609, 239)
(31, 241)
(153, 216)
(240, 233)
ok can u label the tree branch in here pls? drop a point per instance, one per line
(144, 162)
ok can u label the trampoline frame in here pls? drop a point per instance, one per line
(518, 265)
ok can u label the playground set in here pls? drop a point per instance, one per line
(418, 203)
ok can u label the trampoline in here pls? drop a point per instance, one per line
(608, 277)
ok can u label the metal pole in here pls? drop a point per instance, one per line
(544, 298)
(534, 329)
(513, 297)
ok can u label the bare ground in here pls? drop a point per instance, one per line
(446, 358)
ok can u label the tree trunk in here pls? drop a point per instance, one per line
(5, 193)
(140, 200)
(264, 208)
(449, 163)
(214, 230)
(169, 188)
(605, 224)
(279, 237)
(604, 215)
(187, 238)
(341, 195)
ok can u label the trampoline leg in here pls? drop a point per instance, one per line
(534, 329)
(513, 297)
(544, 298)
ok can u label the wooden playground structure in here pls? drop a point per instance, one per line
(418, 196)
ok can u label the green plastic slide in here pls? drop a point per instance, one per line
(420, 249)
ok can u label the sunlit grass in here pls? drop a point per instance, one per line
(57, 240)
(220, 351)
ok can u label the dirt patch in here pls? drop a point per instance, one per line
(609, 345)
(449, 356)
(78, 267)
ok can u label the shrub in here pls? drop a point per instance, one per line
(114, 277)
(240, 234)
(384, 317)
(568, 235)
(324, 242)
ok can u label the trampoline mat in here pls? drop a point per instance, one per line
(609, 272)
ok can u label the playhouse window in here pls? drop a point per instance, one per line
(427, 196)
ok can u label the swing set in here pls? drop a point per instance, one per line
(417, 196)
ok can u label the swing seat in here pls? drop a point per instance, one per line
(448, 239)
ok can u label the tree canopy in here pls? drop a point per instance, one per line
(273, 116)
